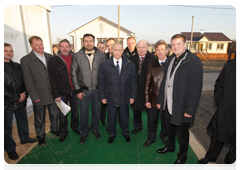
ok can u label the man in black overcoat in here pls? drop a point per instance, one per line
(222, 126)
(179, 95)
(141, 62)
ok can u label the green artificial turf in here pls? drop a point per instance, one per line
(95, 151)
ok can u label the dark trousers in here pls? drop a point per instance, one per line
(74, 104)
(91, 96)
(112, 114)
(153, 116)
(163, 133)
(182, 135)
(103, 114)
(22, 127)
(137, 119)
(39, 118)
(214, 150)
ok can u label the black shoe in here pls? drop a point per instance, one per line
(107, 129)
(203, 161)
(180, 161)
(13, 155)
(104, 123)
(82, 139)
(127, 138)
(134, 131)
(78, 132)
(148, 143)
(62, 138)
(164, 150)
(110, 139)
(56, 133)
(30, 140)
(97, 135)
(41, 141)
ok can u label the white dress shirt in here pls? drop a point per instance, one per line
(42, 58)
(119, 63)
(161, 61)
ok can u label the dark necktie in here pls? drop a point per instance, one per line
(118, 68)
(162, 63)
(142, 58)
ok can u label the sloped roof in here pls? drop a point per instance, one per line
(211, 36)
(101, 17)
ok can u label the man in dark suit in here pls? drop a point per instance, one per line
(117, 88)
(179, 95)
(59, 69)
(36, 79)
(141, 62)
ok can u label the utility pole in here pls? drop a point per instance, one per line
(118, 22)
(191, 33)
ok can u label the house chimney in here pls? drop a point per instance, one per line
(202, 31)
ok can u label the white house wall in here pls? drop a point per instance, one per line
(13, 31)
(34, 19)
(214, 47)
(36, 24)
(100, 29)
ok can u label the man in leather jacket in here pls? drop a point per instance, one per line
(15, 99)
(153, 82)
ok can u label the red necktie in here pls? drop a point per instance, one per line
(142, 58)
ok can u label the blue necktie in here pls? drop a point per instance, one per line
(118, 68)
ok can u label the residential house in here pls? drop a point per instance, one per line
(208, 45)
(102, 29)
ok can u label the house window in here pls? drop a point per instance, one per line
(220, 46)
(194, 45)
(101, 40)
(210, 46)
(120, 40)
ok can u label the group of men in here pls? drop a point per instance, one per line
(169, 86)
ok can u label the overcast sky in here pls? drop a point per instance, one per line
(149, 22)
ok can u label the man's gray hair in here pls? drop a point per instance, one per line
(143, 41)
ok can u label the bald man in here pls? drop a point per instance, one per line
(141, 62)
(117, 87)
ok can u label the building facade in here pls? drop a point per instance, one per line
(102, 29)
(209, 45)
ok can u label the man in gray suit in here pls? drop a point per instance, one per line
(35, 75)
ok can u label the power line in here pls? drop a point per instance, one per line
(190, 6)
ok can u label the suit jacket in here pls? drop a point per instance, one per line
(139, 103)
(36, 79)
